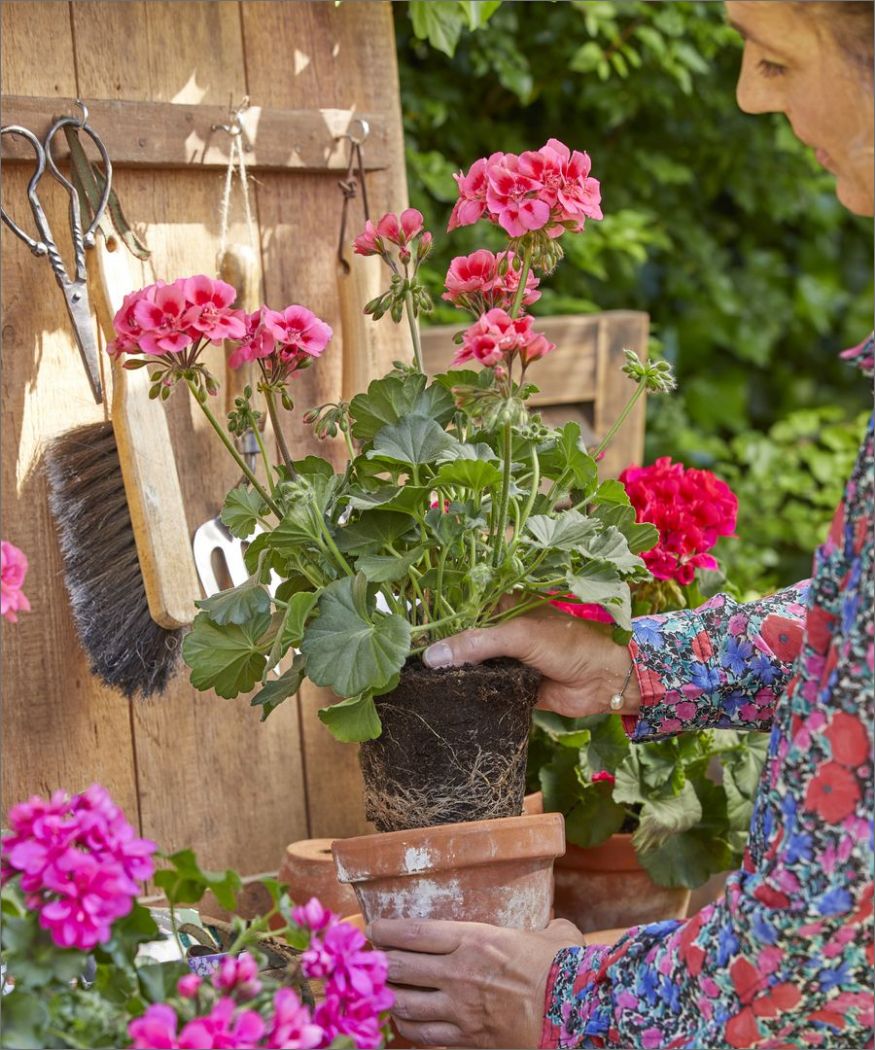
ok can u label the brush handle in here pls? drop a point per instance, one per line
(358, 331)
(148, 469)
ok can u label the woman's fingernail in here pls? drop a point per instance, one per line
(438, 655)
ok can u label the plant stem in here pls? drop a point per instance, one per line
(530, 502)
(619, 421)
(268, 466)
(521, 288)
(278, 433)
(505, 496)
(431, 626)
(350, 447)
(328, 541)
(414, 332)
(235, 455)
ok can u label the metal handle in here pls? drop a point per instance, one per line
(37, 247)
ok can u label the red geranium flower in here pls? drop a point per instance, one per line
(833, 793)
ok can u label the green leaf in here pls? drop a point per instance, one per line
(350, 648)
(576, 738)
(297, 613)
(404, 499)
(662, 817)
(566, 531)
(313, 466)
(276, 690)
(479, 12)
(609, 745)
(611, 546)
(468, 473)
(569, 457)
(373, 532)
(414, 440)
(438, 21)
(627, 786)
(559, 782)
(241, 510)
(594, 818)
(228, 659)
(352, 720)
(688, 859)
(237, 604)
(128, 933)
(300, 524)
(597, 583)
(185, 882)
(25, 1019)
(158, 980)
(383, 568)
(391, 399)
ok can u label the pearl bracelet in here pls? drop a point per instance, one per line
(616, 700)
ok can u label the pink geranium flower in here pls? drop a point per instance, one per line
(238, 975)
(292, 1025)
(471, 204)
(297, 330)
(161, 319)
(496, 336)
(13, 569)
(483, 280)
(256, 341)
(209, 313)
(513, 196)
(584, 610)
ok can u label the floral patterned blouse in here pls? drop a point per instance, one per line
(784, 958)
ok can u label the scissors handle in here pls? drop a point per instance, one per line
(40, 247)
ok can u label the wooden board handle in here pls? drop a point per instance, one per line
(148, 467)
(364, 282)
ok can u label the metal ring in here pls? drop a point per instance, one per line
(365, 131)
(78, 102)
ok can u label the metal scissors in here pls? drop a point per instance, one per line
(75, 289)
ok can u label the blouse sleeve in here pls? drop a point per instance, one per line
(720, 666)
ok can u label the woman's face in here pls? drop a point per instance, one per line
(793, 65)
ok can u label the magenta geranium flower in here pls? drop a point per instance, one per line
(297, 330)
(471, 204)
(13, 569)
(79, 863)
(161, 320)
(483, 280)
(292, 1025)
(513, 196)
(496, 336)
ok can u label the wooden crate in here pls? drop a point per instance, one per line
(581, 379)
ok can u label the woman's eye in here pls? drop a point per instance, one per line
(771, 69)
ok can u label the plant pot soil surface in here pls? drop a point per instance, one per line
(453, 746)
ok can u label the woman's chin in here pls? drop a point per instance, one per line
(857, 198)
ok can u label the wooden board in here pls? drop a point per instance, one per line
(342, 57)
(191, 769)
(61, 728)
(176, 135)
(581, 379)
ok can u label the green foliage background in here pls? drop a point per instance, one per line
(719, 224)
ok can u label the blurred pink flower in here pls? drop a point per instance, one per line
(603, 777)
(189, 985)
(238, 975)
(313, 915)
(13, 569)
(584, 610)
(292, 1026)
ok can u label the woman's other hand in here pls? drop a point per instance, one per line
(582, 666)
(468, 984)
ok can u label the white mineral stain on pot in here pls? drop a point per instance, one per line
(416, 860)
(422, 899)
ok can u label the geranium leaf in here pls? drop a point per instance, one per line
(387, 400)
(596, 583)
(662, 817)
(414, 440)
(227, 659)
(468, 473)
(372, 532)
(688, 859)
(351, 649)
(381, 568)
(565, 531)
(569, 457)
(297, 613)
(237, 604)
(559, 781)
(594, 818)
(276, 690)
(352, 720)
(241, 510)
(608, 744)
(627, 787)
(611, 545)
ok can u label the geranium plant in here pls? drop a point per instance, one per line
(686, 826)
(78, 972)
(455, 497)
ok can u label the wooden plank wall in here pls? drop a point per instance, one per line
(192, 769)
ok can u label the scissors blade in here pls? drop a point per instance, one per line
(76, 298)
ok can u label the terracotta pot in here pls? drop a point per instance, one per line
(453, 747)
(534, 803)
(308, 871)
(496, 871)
(605, 887)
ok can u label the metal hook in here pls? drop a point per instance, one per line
(365, 131)
(234, 127)
(353, 182)
(84, 118)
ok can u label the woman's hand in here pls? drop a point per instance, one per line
(582, 666)
(468, 984)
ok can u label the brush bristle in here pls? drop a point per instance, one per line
(127, 649)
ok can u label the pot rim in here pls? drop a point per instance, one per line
(475, 843)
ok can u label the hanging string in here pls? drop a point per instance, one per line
(236, 165)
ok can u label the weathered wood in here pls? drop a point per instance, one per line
(344, 57)
(61, 728)
(175, 135)
(581, 379)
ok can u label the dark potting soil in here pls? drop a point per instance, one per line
(453, 746)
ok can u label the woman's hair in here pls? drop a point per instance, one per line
(851, 24)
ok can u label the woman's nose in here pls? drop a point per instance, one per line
(754, 92)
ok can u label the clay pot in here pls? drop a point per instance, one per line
(453, 747)
(605, 887)
(534, 803)
(308, 871)
(495, 871)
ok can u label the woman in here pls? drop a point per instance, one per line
(784, 957)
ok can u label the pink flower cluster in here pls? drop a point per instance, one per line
(584, 610)
(79, 861)
(482, 280)
(398, 230)
(285, 339)
(169, 318)
(355, 996)
(547, 189)
(496, 337)
(13, 569)
(691, 508)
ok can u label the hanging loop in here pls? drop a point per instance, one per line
(353, 182)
